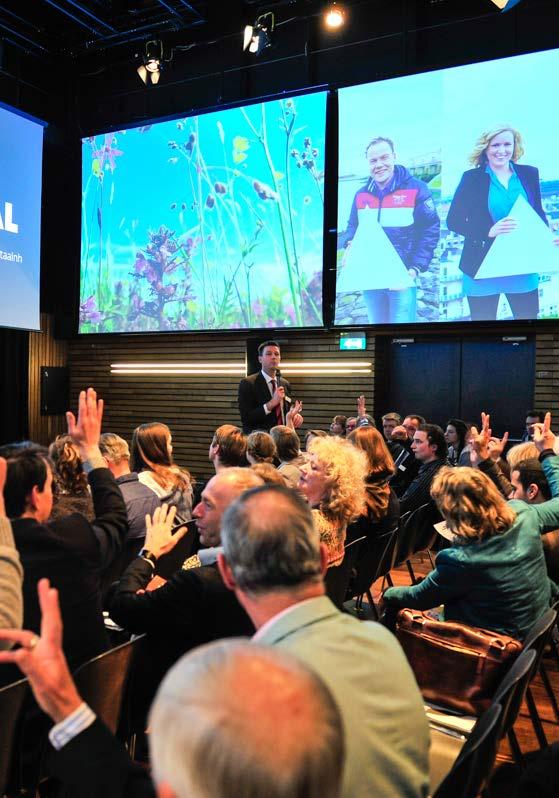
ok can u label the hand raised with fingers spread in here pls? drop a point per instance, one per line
(42, 659)
(86, 430)
(294, 418)
(497, 446)
(159, 538)
(543, 436)
(361, 406)
(480, 441)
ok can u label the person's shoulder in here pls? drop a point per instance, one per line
(251, 378)
(526, 170)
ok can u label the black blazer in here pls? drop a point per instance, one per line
(253, 393)
(469, 214)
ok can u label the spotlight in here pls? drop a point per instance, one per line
(506, 5)
(260, 35)
(334, 16)
(152, 62)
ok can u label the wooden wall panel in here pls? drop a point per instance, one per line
(194, 406)
(546, 390)
(44, 350)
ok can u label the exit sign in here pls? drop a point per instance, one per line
(353, 341)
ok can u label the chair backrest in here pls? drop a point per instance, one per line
(510, 693)
(11, 702)
(475, 761)
(336, 581)
(538, 636)
(427, 516)
(375, 559)
(416, 531)
(101, 681)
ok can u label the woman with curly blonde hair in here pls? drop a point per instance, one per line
(494, 575)
(481, 211)
(333, 482)
(152, 459)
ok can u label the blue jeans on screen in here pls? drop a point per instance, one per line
(391, 307)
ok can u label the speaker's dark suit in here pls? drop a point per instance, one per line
(253, 393)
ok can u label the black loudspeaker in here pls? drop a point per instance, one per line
(55, 390)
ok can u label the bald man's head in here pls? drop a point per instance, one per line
(270, 541)
(218, 494)
(236, 719)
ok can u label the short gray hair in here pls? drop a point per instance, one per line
(233, 718)
(113, 447)
(269, 540)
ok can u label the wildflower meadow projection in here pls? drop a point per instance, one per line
(211, 222)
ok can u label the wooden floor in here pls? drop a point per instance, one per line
(505, 773)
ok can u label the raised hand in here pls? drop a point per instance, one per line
(42, 659)
(86, 430)
(159, 537)
(543, 436)
(480, 441)
(361, 407)
(496, 446)
(294, 418)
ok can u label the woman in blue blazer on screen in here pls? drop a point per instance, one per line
(480, 212)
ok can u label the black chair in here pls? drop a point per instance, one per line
(536, 640)
(11, 703)
(336, 579)
(375, 559)
(102, 681)
(474, 763)
(416, 533)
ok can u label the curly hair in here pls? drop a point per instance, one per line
(68, 473)
(471, 504)
(150, 451)
(478, 158)
(345, 468)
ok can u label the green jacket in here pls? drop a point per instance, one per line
(385, 727)
(500, 583)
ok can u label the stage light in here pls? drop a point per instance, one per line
(259, 36)
(334, 16)
(506, 5)
(152, 62)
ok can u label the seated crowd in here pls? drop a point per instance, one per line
(95, 535)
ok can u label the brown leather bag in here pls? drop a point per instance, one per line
(456, 666)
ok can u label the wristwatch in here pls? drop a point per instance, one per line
(148, 556)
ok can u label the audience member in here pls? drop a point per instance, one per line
(411, 424)
(71, 551)
(260, 448)
(333, 484)
(314, 433)
(231, 719)
(494, 576)
(140, 500)
(152, 460)
(11, 573)
(382, 505)
(389, 422)
(350, 425)
(228, 448)
(289, 454)
(429, 448)
(274, 562)
(337, 427)
(455, 437)
(70, 489)
(268, 473)
(532, 417)
(522, 451)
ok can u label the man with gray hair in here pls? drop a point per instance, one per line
(273, 560)
(230, 719)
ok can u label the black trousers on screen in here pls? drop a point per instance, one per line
(523, 306)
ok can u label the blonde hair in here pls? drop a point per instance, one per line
(470, 503)
(346, 468)
(478, 157)
(522, 451)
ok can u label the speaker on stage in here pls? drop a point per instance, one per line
(55, 390)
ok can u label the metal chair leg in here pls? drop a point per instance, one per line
(515, 748)
(535, 718)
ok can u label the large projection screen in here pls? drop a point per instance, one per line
(210, 222)
(21, 168)
(448, 196)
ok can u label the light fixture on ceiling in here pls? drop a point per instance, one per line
(334, 16)
(259, 36)
(153, 60)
